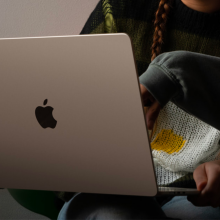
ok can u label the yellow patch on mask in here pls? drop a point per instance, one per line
(168, 142)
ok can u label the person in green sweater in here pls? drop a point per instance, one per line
(177, 49)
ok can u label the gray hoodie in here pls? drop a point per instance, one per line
(190, 80)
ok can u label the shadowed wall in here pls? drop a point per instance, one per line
(31, 18)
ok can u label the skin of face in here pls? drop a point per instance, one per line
(206, 6)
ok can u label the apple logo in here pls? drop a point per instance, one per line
(44, 116)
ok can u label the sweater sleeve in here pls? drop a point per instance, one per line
(101, 19)
(95, 22)
(190, 80)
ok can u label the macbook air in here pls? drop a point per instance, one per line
(72, 117)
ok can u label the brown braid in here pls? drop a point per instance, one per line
(161, 18)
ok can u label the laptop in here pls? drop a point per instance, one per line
(72, 117)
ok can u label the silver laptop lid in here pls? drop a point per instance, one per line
(97, 139)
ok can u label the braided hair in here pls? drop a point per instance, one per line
(160, 21)
(161, 18)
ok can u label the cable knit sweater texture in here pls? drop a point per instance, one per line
(181, 141)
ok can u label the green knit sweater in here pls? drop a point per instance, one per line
(187, 30)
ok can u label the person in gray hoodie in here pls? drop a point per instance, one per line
(189, 80)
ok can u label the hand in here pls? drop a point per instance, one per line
(154, 107)
(207, 178)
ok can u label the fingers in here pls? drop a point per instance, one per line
(200, 177)
(201, 180)
(207, 177)
(206, 198)
(147, 98)
(154, 107)
(152, 114)
(212, 190)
